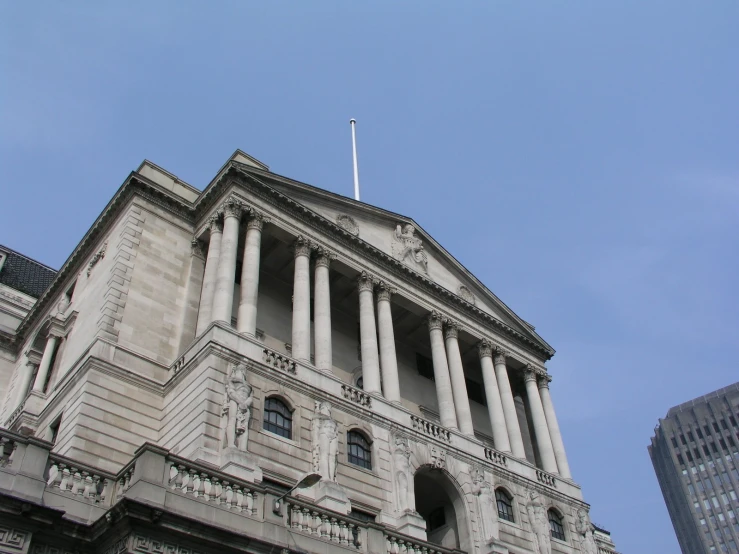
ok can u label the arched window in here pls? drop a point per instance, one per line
(359, 450)
(360, 383)
(278, 418)
(505, 504)
(555, 525)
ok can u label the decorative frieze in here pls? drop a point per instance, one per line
(14, 540)
(148, 545)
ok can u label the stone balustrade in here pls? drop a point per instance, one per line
(495, 457)
(545, 478)
(402, 544)
(324, 524)
(279, 361)
(83, 482)
(356, 395)
(123, 479)
(430, 429)
(211, 486)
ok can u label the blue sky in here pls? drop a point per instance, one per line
(579, 157)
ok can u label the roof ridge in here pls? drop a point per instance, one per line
(2, 246)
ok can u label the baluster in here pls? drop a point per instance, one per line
(343, 535)
(78, 483)
(190, 482)
(315, 524)
(294, 516)
(65, 477)
(104, 493)
(353, 535)
(304, 515)
(250, 509)
(127, 480)
(180, 478)
(238, 498)
(91, 487)
(325, 527)
(335, 530)
(201, 485)
(223, 498)
(393, 545)
(211, 483)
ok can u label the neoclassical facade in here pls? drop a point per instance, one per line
(268, 366)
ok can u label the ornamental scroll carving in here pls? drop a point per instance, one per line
(325, 436)
(348, 224)
(236, 410)
(408, 248)
(539, 524)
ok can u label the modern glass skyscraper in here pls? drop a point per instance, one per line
(695, 452)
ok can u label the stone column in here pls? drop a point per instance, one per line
(388, 358)
(193, 292)
(247, 316)
(456, 372)
(45, 365)
(368, 336)
(557, 444)
(209, 277)
(226, 275)
(24, 383)
(509, 406)
(492, 394)
(441, 373)
(301, 301)
(543, 440)
(322, 312)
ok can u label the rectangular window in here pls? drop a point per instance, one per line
(701, 467)
(424, 366)
(709, 485)
(690, 456)
(713, 447)
(697, 506)
(680, 460)
(735, 473)
(706, 504)
(700, 486)
(682, 439)
(725, 478)
(705, 450)
(715, 501)
(733, 421)
(721, 517)
(723, 425)
(731, 440)
(715, 427)
(724, 498)
(674, 442)
(707, 429)
(703, 521)
(722, 442)
(693, 470)
(685, 471)
(690, 436)
(731, 514)
(698, 431)
(691, 490)
(732, 494)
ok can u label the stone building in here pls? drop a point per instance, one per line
(265, 366)
(695, 453)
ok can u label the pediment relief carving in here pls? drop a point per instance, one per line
(347, 223)
(408, 248)
(466, 294)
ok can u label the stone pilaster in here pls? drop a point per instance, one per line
(322, 311)
(492, 394)
(441, 372)
(509, 405)
(541, 430)
(557, 444)
(456, 373)
(209, 277)
(301, 301)
(388, 357)
(247, 316)
(368, 335)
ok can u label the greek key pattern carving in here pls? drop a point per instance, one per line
(118, 547)
(48, 549)
(147, 545)
(13, 539)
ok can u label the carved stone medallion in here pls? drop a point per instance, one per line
(466, 294)
(348, 224)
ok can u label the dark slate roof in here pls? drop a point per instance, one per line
(24, 274)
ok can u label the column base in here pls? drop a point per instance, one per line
(240, 464)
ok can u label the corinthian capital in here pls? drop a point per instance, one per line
(529, 373)
(435, 320)
(451, 329)
(544, 380)
(232, 208)
(366, 282)
(485, 349)
(302, 246)
(214, 224)
(256, 221)
(197, 248)
(500, 355)
(384, 291)
(324, 257)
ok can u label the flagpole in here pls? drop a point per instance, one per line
(353, 123)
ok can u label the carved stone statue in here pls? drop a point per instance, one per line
(236, 410)
(408, 248)
(585, 533)
(486, 506)
(539, 524)
(404, 492)
(325, 435)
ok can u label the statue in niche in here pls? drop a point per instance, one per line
(236, 410)
(486, 506)
(404, 490)
(325, 436)
(585, 533)
(408, 248)
(539, 524)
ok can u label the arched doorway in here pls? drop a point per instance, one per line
(442, 507)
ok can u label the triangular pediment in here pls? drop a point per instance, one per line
(403, 239)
